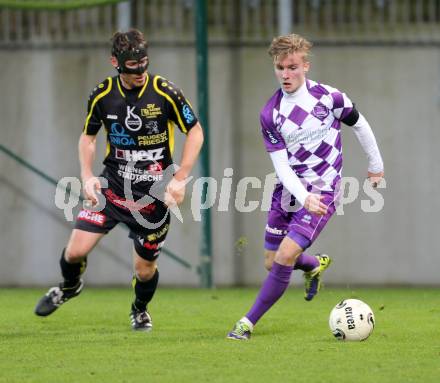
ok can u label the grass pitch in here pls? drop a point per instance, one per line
(89, 338)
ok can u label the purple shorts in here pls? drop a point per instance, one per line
(287, 217)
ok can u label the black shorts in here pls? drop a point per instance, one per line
(148, 227)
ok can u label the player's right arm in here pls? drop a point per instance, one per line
(87, 150)
(289, 179)
(276, 147)
(87, 141)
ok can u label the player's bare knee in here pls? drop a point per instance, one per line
(268, 264)
(74, 255)
(288, 252)
(144, 275)
(268, 259)
(145, 272)
(285, 258)
(286, 255)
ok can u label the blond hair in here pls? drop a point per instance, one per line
(284, 45)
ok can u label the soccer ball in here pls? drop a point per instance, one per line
(351, 319)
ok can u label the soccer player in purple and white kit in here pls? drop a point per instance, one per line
(301, 127)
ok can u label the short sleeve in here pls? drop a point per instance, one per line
(272, 139)
(94, 117)
(342, 105)
(180, 109)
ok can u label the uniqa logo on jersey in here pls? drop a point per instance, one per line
(133, 122)
(119, 137)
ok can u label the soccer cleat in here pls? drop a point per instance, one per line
(55, 297)
(312, 279)
(140, 320)
(241, 331)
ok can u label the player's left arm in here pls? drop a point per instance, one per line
(175, 191)
(179, 110)
(344, 110)
(191, 149)
(366, 138)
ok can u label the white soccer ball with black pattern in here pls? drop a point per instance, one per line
(351, 319)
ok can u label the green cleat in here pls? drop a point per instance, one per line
(242, 330)
(312, 279)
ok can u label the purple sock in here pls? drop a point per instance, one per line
(273, 287)
(306, 262)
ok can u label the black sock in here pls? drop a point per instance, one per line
(71, 272)
(144, 291)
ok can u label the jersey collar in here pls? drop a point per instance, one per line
(293, 97)
(141, 92)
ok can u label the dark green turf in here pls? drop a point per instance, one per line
(89, 339)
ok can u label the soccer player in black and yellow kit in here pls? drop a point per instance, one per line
(139, 111)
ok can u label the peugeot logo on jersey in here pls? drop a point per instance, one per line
(152, 127)
(133, 122)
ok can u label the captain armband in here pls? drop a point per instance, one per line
(351, 118)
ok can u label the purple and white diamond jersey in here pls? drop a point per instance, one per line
(307, 124)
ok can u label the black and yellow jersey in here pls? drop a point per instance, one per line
(140, 129)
